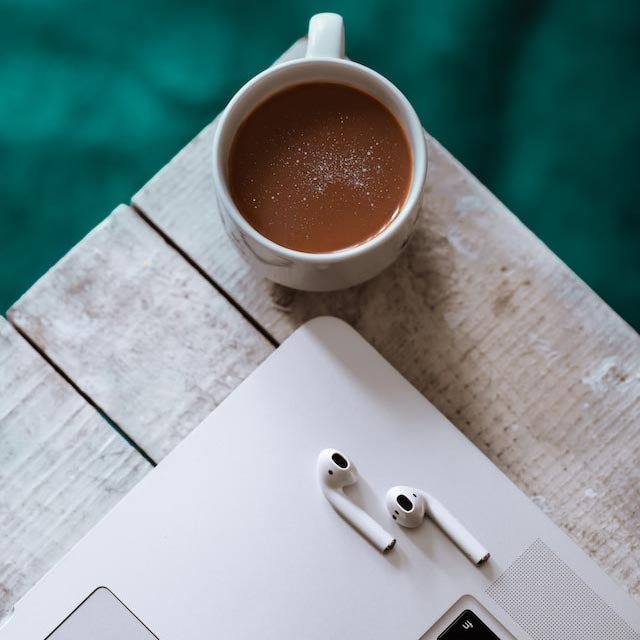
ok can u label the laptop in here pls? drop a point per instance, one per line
(231, 536)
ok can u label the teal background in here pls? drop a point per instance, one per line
(541, 100)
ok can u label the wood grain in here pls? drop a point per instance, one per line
(61, 466)
(140, 331)
(492, 327)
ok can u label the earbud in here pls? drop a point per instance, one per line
(336, 471)
(409, 506)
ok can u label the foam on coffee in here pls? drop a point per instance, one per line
(320, 167)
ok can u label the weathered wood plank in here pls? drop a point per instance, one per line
(61, 466)
(140, 331)
(519, 353)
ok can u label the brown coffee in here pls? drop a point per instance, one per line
(320, 167)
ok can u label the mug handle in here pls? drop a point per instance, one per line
(326, 36)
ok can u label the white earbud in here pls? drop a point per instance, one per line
(336, 471)
(409, 506)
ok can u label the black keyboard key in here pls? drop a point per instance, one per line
(467, 626)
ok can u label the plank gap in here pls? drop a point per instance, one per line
(140, 331)
(103, 414)
(223, 292)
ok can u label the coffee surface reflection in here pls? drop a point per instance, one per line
(320, 167)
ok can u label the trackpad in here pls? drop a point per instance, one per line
(101, 617)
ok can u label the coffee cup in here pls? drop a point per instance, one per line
(328, 270)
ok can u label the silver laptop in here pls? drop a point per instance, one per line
(231, 537)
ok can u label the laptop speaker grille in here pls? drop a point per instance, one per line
(550, 602)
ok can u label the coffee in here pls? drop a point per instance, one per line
(320, 167)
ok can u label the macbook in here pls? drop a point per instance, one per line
(231, 536)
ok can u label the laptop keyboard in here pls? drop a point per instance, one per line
(467, 626)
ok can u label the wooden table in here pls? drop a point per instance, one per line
(150, 321)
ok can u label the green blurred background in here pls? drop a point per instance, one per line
(541, 100)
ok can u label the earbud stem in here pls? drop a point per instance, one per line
(360, 520)
(459, 534)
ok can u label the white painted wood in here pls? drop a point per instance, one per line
(140, 331)
(61, 466)
(496, 331)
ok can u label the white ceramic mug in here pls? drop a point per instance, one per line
(324, 62)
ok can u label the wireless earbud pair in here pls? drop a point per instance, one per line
(407, 506)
